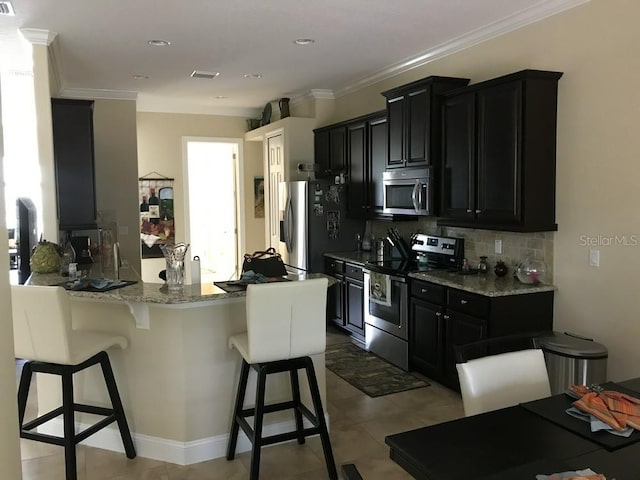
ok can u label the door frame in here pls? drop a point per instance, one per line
(239, 194)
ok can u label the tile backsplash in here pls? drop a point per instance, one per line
(515, 246)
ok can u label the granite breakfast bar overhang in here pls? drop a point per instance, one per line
(177, 377)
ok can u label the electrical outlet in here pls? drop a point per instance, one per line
(498, 247)
(594, 258)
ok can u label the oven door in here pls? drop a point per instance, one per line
(385, 328)
(408, 196)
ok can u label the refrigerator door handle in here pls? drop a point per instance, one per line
(414, 196)
(288, 225)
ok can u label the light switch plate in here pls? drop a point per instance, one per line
(594, 258)
(498, 246)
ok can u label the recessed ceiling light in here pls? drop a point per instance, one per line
(252, 75)
(220, 97)
(140, 77)
(304, 41)
(159, 43)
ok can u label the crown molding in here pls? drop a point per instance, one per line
(54, 66)
(314, 94)
(97, 93)
(38, 36)
(475, 37)
(165, 105)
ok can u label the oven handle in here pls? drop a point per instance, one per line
(393, 277)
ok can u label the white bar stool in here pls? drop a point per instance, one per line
(286, 322)
(43, 335)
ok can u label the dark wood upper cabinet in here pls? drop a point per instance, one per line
(413, 121)
(364, 143)
(74, 163)
(499, 153)
(330, 151)
(366, 160)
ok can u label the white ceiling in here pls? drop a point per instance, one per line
(101, 44)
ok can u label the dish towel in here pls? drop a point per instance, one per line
(618, 410)
(587, 474)
(380, 288)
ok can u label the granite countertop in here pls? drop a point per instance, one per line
(156, 293)
(359, 258)
(489, 285)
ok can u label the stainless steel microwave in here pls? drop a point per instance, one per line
(408, 191)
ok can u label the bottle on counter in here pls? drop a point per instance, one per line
(483, 266)
(500, 269)
(68, 256)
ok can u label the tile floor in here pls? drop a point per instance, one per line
(358, 426)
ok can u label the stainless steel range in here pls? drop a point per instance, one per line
(386, 296)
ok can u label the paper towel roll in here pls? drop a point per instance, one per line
(195, 270)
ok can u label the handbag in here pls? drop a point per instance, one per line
(268, 263)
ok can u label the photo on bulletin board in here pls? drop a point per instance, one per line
(156, 215)
(258, 194)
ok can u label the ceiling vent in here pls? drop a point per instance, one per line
(6, 9)
(203, 74)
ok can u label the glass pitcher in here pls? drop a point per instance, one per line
(174, 255)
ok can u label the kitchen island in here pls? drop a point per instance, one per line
(177, 378)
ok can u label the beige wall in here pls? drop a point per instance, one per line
(160, 150)
(598, 173)
(9, 443)
(116, 165)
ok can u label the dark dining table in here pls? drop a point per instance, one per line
(517, 442)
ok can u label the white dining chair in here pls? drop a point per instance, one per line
(502, 380)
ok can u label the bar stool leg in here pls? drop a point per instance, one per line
(116, 402)
(295, 390)
(237, 410)
(23, 391)
(257, 423)
(69, 424)
(324, 433)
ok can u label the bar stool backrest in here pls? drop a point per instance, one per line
(286, 320)
(41, 323)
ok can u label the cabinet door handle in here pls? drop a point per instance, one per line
(439, 314)
(463, 302)
(446, 317)
(478, 211)
(469, 210)
(424, 290)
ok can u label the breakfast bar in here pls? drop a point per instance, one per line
(177, 377)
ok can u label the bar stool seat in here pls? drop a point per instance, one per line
(43, 336)
(285, 326)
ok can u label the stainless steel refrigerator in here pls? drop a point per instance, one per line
(313, 221)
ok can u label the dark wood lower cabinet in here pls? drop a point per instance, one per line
(354, 305)
(426, 341)
(442, 317)
(345, 299)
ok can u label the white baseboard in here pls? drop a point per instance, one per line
(180, 453)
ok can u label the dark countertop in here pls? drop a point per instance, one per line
(488, 284)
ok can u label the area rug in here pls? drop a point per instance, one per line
(368, 372)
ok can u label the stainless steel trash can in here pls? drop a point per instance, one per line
(572, 360)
